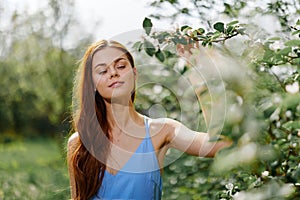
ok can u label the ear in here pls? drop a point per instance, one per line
(134, 72)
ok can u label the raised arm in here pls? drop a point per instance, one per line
(192, 142)
(72, 145)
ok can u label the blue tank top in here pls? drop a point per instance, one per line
(138, 179)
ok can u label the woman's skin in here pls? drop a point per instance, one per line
(114, 79)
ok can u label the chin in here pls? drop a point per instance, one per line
(120, 98)
(118, 95)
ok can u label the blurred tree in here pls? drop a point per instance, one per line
(37, 68)
(258, 63)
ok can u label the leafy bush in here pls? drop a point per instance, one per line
(260, 74)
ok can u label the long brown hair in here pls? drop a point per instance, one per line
(90, 121)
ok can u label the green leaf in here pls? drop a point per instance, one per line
(293, 43)
(296, 32)
(291, 101)
(285, 51)
(147, 25)
(185, 68)
(138, 45)
(180, 40)
(298, 22)
(195, 33)
(161, 37)
(219, 26)
(209, 34)
(200, 31)
(204, 43)
(185, 27)
(296, 61)
(275, 38)
(185, 11)
(149, 48)
(229, 29)
(268, 55)
(159, 55)
(201, 37)
(168, 54)
(233, 23)
(291, 125)
(216, 35)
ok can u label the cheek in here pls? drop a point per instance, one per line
(129, 75)
(98, 81)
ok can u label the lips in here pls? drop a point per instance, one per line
(116, 84)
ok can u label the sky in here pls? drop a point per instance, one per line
(120, 20)
(114, 16)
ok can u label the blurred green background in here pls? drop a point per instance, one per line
(37, 68)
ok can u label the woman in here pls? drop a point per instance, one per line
(117, 153)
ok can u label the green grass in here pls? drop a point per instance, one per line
(33, 169)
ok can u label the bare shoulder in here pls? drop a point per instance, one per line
(165, 123)
(158, 124)
(164, 127)
(73, 142)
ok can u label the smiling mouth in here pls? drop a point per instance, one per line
(116, 84)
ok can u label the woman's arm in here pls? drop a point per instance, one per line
(192, 142)
(181, 137)
(72, 145)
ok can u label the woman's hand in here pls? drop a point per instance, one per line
(186, 51)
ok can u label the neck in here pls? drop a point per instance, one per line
(122, 116)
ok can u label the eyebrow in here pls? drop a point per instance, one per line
(104, 64)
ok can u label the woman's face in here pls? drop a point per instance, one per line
(113, 75)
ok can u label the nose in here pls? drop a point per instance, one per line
(113, 72)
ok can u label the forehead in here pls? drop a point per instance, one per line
(107, 56)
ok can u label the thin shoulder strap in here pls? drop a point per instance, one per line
(146, 121)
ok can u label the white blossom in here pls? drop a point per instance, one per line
(276, 45)
(265, 174)
(292, 88)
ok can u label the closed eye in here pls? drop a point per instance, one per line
(121, 66)
(102, 72)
